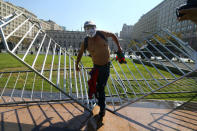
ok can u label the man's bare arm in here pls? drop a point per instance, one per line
(114, 38)
(80, 54)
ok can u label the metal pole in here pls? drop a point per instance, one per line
(135, 79)
(140, 72)
(84, 81)
(30, 45)
(127, 80)
(32, 91)
(45, 58)
(4, 24)
(175, 46)
(120, 81)
(6, 38)
(14, 87)
(161, 63)
(148, 70)
(189, 50)
(65, 71)
(80, 86)
(51, 70)
(70, 77)
(152, 92)
(24, 85)
(41, 94)
(38, 51)
(6, 84)
(166, 57)
(116, 89)
(111, 97)
(14, 49)
(58, 72)
(152, 65)
(173, 54)
(74, 70)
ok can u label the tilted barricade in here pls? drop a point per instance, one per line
(158, 69)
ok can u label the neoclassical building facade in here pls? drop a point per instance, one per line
(164, 16)
(73, 39)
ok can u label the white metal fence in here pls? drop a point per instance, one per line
(153, 70)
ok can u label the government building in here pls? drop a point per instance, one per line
(164, 16)
(7, 8)
(73, 39)
(67, 39)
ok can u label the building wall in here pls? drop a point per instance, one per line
(67, 39)
(126, 32)
(45, 25)
(125, 36)
(73, 39)
(54, 26)
(164, 16)
(7, 8)
(124, 44)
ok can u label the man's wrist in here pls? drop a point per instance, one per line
(77, 62)
(119, 49)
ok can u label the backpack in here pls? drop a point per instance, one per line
(86, 39)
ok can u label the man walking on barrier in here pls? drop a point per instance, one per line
(98, 48)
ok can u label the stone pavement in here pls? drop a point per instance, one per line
(58, 117)
(161, 116)
(141, 116)
(110, 122)
(48, 117)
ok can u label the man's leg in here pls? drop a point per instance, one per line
(101, 82)
(101, 99)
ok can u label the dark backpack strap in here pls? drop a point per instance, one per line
(101, 35)
(85, 43)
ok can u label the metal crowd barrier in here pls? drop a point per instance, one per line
(152, 71)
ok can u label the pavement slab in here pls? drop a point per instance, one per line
(61, 116)
(50, 116)
(161, 115)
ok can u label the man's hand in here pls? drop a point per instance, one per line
(189, 14)
(78, 60)
(120, 49)
(77, 67)
(120, 57)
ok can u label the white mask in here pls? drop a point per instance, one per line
(91, 32)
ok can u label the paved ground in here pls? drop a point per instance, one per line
(48, 117)
(141, 116)
(162, 116)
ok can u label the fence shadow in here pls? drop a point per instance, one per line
(184, 117)
(44, 117)
(181, 117)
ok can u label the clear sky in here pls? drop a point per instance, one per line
(107, 14)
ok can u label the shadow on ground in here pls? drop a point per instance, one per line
(71, 117)
(39, 117)
(183, 117)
